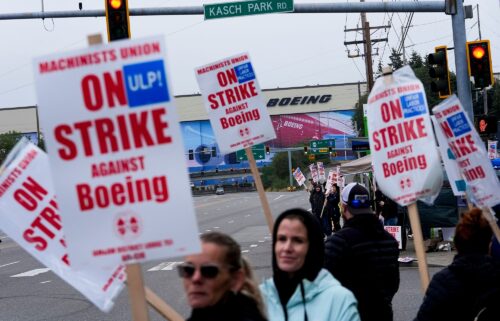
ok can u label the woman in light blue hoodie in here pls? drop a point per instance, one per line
(300, 289)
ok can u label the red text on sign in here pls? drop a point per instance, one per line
(232, 95)
(121, 193)
(404, 165)
(114, 88)
(124, 132)
(463, 146)
(399, 133)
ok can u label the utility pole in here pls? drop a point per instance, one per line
(367, 46)
(403, 45)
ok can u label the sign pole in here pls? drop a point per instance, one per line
(260, 188)
(418, 242)
(161, 306)
(488, 215)
(136, 293)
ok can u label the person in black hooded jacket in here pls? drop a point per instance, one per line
(363, 256)
(470, 286)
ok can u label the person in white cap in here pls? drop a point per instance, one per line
(363, 256)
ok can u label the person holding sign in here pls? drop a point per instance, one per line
(332, 207)
(469, 288)
(219, 284)
(363, 256)
(300, 288)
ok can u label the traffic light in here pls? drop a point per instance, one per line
(479, 62)
(486, 124)
(305, 150)
(117, 19)
(214, 151)
(439, 71)
(268, 150)
(191, 154)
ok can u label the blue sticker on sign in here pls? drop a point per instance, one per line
(146, 83)
(458, 124)
(244, 72)
(413, 105)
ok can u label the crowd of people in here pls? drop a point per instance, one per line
(352, 274)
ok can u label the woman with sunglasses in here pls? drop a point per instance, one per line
(300, 288)
(219, 283)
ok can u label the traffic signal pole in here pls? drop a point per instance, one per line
(463, 81)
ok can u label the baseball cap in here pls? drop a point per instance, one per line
(357, 198)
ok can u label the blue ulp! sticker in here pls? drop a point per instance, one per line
(413, 105)
(458, 124)
(146, 83)
(244, 72)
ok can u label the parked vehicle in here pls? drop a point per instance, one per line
(219, 190)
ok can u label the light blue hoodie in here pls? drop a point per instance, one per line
(325, 300)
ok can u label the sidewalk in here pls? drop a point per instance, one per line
(434, 259)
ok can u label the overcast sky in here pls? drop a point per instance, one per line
(287, 50)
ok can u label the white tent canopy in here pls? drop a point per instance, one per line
(357, 166)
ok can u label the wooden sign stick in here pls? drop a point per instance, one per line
(488, 215)
(136, 293)
(418, 242)
(161, 306)
(260, 188)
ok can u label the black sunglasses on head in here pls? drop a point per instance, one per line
(208, 271)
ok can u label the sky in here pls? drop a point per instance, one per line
(287, 50)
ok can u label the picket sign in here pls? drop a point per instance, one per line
(299, 177)
(314, 173)
(30, 216)
(405, 159)
(237, 112)
(321, 171)
(471, 155)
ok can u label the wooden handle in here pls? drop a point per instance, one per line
(260, 189)
(161, 306)
(418, 242)
(136, 293)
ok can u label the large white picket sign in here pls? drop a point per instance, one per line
(116, 153)
(405, 157)
(469, 151)
(314, 172)
(234, 103)
(30, 215)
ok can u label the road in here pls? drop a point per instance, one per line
(30, 292)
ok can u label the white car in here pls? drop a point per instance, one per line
(219, 191)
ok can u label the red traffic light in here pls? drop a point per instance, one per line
(479, 63)
(478, 52)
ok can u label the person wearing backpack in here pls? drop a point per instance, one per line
(469, 288)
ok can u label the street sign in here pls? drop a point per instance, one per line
(259, 153)
(246, 8)
(360, 144)
(321, 146)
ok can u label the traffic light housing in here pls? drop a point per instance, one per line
(268, 150)
(117, 19)
(479, 63)
(438, 70)
(214, 151)
(191, 154)
(305, 150)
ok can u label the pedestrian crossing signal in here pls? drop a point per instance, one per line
(268, 150)
(117, 19)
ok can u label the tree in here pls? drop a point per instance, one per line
(396, 61)
(7, 142)
(416, 60)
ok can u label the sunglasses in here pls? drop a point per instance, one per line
(187, 270)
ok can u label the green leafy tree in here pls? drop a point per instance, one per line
(7, 142)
